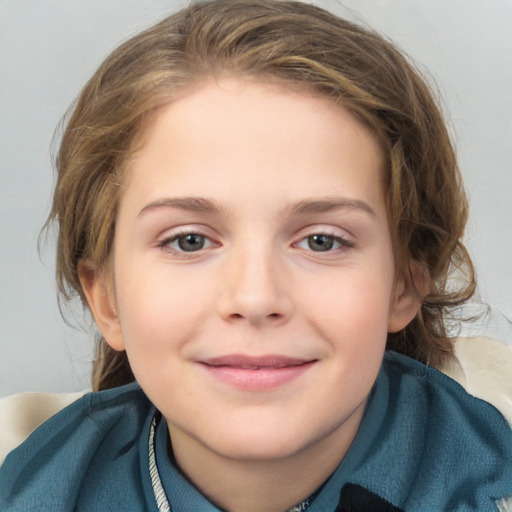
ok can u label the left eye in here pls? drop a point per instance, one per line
(189, 242)
(321, 243)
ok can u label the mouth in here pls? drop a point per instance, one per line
(256, 373)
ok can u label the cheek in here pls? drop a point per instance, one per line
(159, 308)
(150, 285)
(163, 310)
(351, 310)
(355, 329)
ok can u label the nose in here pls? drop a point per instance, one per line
(256, 288)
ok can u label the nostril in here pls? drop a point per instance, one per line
(271, 316)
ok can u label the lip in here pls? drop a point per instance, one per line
(261, 373)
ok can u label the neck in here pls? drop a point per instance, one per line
(276, 485)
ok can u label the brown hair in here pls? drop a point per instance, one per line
(294, 43)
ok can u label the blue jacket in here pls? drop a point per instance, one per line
(424, 445)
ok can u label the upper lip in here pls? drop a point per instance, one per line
(245, 362)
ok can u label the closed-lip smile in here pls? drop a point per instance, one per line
(256, 373)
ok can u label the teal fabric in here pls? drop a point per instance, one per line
(87, 457)
(424, 444)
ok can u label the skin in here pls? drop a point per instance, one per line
(254, 171)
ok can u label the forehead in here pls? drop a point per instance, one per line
(226, 137)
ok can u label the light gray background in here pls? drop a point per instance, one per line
(49, 48)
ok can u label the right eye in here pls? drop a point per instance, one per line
(321, 242)
(187, 242)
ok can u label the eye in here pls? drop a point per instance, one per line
(187, 242)
(320, 242)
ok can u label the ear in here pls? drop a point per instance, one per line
(100, 296)
(408, 297)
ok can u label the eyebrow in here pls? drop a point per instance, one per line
(305, 206)
(331, 204)
(192, 204)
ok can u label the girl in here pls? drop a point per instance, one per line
(260, 206)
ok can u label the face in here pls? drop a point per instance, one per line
(254, 278)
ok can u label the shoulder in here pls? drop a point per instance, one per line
(462, 444)
(62, 455)
(22, 413)
(404, 370)
(483, 366)
(440, 398)
(93, 412)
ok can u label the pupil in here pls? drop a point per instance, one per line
(191, 242)
(320, 242)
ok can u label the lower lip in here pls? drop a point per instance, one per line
(257, 380)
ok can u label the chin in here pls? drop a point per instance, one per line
(259, 450)
(262, 444)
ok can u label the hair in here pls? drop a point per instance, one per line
(295, 44)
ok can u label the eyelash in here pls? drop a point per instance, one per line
(165, 244)
(343, 244)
